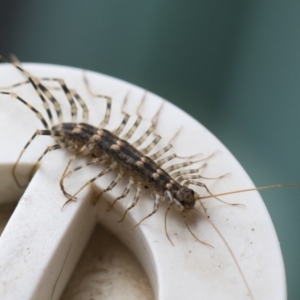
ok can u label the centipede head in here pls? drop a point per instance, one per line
(186, 197)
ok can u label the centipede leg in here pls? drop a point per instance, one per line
(125, 192)
(37, 133)
(175, 167)
(155, 209)
(48, 149)
(188, 171)
(71, 94)
(198, 176)
(113, 166)
(137, 122)
(65, 174)
(116, 180)
(9, 87)
(121, 127)
(201, 184)
(96, 160)
(107, 98)
(135, 200)
(151, 129)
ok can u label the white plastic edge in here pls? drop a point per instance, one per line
(42, 243)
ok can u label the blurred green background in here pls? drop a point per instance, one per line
(233, 65)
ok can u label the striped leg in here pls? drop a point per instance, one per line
(10, 87)
(136, 124)
(34, 83)
(193, 182)
(48, 149)
(95, 160)
(71, 94)
(37, 113)
(40, 88)
(134, 127)
(118, 130)
(122, 125)
(143, 138)
(132, 130)
(66, 173)
(85, 111)
(162, 161)
(186, 164)
(102, 159)
(37, 133)
(112, 167)
(116, 180)
(155, 209)
(151, 129)
(151, 145)
(198, 176)
(188, 171)
(161, 152)
(66, 91)
(135, 200)
(125, 192)
(108, 102)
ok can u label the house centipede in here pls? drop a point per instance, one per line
(83, 132)
(105, 146)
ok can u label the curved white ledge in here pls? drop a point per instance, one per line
(42, 243)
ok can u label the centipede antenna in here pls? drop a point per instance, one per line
(276, 186)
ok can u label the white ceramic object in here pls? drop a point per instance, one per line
(42, 243)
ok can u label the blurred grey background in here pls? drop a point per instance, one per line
(233, 65)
